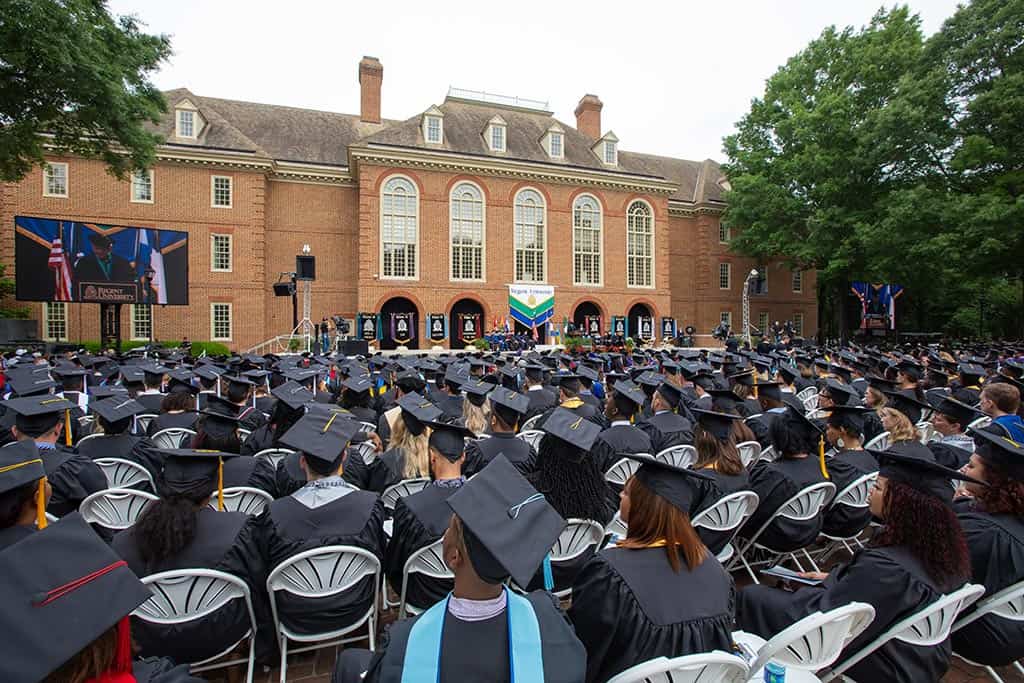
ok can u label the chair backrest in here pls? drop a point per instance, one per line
(245, 499)
(768, 454)
(367, 450)
(879, 443)
(531, 423)
(857, 492)
(429, 561)
(87, 437)
(980, 423)
(367, 427)
(728, 512)
(617, 527)
(143, 421)
(816, 413)
(750, 451)
(115, 508)
(172, 437)
(244, 434)
(273, 455)
(532, 437)
(707, 667)
(816, 641)
(620, 472)
(575, 539)
(184, 595)
(926, 432)
(1007, 604)
(810, 401)
(124, 474)
(806, 392)
(322, 572)
(680, 456)
(87, 421)
(806, 504)
(404, 488)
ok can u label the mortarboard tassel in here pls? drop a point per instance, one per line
(821, 456)
(123, 654)
(220, 484)
(67, 428)
(755, 382)
(41, 505)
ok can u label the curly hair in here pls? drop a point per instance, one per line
(942, 551)
(167, 527)
(1003, 495)
(576, 489)
(415, 450)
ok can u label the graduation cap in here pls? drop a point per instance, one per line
(181, 380)
(913, 464)
(476, 390)
(154, 373)
(292, 394)
(910, 368)
(70, 373)
(881, 384)
(670, 392)
(568, 380)
(650, 379)
(788, 372)
(449, 438)
(30, 384)
(961, 412)
(20, 465)
(132, 374)
(410, 381)
(358, 383)
(630, 391)
(417, 411)
(512, 400)
(508, 527)
(717, 424)
(37, 414)
(574, 429)
(221, 417)
(117, 408)
(850, 418)
(679, 486)
(997, 449)
(907, 403)
(193, 471)
(587, 373)
(771, 390)
(107, 391)
(208, 372)
(841, 394)
(62, 590)
(724, 399)
(971, 370)
(323, 436)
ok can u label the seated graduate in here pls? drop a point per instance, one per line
(501, 526)
(621, 436)
(209, 383)
(476, 411)
(356, 398)
(114, 416)
(742, 384)
(239, 397)
(408, 454)
(24, 492)
(217, 430)
(968, 390)
(326, 511)
(151, 396)
(181, 531)
(449, 397)
(542, 399)
(900, 572)
(406, 382)
(993, 524)
(1001, 402)
(569, 399)
(67, 597)
(769, 395)
(659, 592)
(507, 410)
(950, 420)
(843, 428)
(421, 519)
(800, 448)
(665, 427)
(718, 460)
(73, 476)
(176, 410)
(289, 407)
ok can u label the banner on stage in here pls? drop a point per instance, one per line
(403, 327)
(620, 326)
(592, 324)
(469, 326)
(668, 328)
(531, 305)
(646, 324)
(437, 327)
(369, 326)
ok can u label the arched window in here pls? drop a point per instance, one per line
(586, 241)
(467, 232)
(639, 245)
(399, 229)
(529, 236)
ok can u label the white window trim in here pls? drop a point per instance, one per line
(231, 252)
(797, 277)
(799, 329)
(380, 228)
(46, 177)
(654, 250)
(504, 137)
(231, 321)
(46, 321)
(440, 128)
(728, 234)
(572, 219)
(615, 153)
(132, 309)
(131, 189)
(177, 123)
(724, 314)
(544, 251)
(728, 267)
(551, 136)
(451, 245)
(231, 192)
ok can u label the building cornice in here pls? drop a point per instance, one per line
(690, 209)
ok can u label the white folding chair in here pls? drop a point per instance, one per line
(707, 667)
(532, 437)
(1006, 604)
(816, 413)
(926, 432)
(750, 451)
(980, 423)
(577, 538)
(879, 443)
(115, 509)
(806, 392)
(810, 402)
(245, 499)
(768, 454)
(173, 437)
(428, 561)
(404, 488)
(616, 527)
(184, 595)
(927, 627)
(367, 450)
(321, 573)
(87, 437)
(530, 424)
(143, 421)
(682, 457)
(273, 455)
(87, 422)
(728, 513)
(620, 472)
(803, 507)
(856, 494)
(124, 474)
(243, 434)
(367, 427)
(812, 643)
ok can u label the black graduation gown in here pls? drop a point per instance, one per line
(246, 470)
(72, 476)
(541, 400)
(844, 468)
(185, 420)
(889, 579)
(355, 519)
(137, 449)
(721, 485)
(666, 429)
(480, 452)
(251, 419)
(948, 455)
(800, 383)
(260, 439)
(872, 426)
(474, 651)
(151, 402)
(617, 439)
(762, 424)
(748, 407)
(202, 398)
(967, 395)
(584, 410)
(265, 404)
(364, 414)
(231, 542)
(382, 472)
(629, 606)
(13, 534)
(775, 483)
(588, 397)
(161, 670)
(996, 544)
(419, 520)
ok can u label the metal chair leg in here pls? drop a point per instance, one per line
(992, 672)
(284, 659)
(810, 559)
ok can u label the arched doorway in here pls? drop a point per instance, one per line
(636, 312)
(584, 310)
(465, 323)
(406, 329)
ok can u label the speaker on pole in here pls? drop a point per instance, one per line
(284, 288)
(305, 267)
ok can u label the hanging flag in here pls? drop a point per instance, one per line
(534, 333)
(58, 263)
(403, 327)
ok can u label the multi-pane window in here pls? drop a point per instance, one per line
(555, 143)
(142, 186)
(142, 321)
(798, 324)
(222, 191)
(726, 317)
(611, 155)
(55, 180)
(497, 138)
(529, 236)
(724, 275)
(186, 124)
(434, 129)
(586, 241)
(639, 245)
(399, 228)
(55, 321)
(724, 234)
(798, 281)
(467, 232)
(762, 323)
(220, 253)
(220, 322)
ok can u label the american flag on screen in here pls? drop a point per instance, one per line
(61, 267)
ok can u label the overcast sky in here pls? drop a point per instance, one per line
(674, 76)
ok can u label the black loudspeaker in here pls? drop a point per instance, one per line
(354, 347)
(305, 267)
(283, 288)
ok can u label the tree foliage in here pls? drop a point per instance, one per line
(76, 78)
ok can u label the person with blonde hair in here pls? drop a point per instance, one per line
(898, 425)
(476, 409)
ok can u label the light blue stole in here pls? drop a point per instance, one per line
(422, 663)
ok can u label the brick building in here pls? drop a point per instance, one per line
(436, 214)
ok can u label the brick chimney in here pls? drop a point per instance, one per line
(588, 116)
(371, 73)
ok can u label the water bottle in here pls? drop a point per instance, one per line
(774, 673)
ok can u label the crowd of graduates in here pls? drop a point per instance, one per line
(488, 458)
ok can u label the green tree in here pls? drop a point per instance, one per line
(71, 72)
(6, 296)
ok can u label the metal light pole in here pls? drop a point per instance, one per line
(746, 305)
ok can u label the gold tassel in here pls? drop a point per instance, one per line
(220, 484)
(821, 456)
(67, 427)
(755, 382)
(41, 505)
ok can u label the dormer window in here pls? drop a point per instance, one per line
(186, 124)
(433, 126)
(607, 149)
(611, 154)
(555, 145)
(495, 134)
